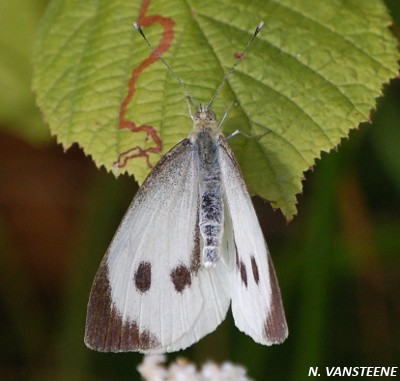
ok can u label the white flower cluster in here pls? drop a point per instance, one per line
(153, 368)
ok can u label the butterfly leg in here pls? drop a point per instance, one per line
(239, 132)
(225, 115)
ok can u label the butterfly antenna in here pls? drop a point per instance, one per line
(238, 59)
(181, 84)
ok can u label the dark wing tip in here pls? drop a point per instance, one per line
(275, 328)
(106, 330)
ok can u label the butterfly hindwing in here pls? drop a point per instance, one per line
(256, 300)
(150, 293)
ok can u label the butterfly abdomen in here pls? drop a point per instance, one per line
(211, 212)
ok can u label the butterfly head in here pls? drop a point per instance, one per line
(204, 119)
(204, 112)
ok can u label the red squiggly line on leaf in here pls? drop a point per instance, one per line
(168, 24)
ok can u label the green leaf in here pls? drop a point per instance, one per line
(313, 73)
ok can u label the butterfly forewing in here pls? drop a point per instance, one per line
(256, 300)
(151, 293)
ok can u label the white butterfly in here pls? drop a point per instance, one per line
(189, 245)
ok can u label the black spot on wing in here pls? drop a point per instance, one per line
(142, 277)
(181, 275)
(243, 272)
(254, 268)
(240, 266)
(181, 278)
(106, 329)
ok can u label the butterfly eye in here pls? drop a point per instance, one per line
(211, 116)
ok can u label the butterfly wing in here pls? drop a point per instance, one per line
(150, 293)
(256, 299)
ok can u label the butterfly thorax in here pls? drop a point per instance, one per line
(211, 214)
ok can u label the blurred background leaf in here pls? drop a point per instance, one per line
(18, 113)
(338, 262)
